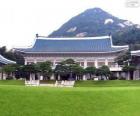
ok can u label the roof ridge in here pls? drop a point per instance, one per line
(73, 38)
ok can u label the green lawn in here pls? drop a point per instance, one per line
(12, 82)
(80, 101)
(110, 83)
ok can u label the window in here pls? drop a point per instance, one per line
(111, 64)
(81, 63)
(100, 64)
(90, 64)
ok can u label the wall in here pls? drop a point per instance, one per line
(85, 60)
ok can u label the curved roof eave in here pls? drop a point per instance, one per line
(6, 61)
(118, 48)
(72, 52)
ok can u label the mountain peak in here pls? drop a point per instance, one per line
(92, 22)
(96, 9)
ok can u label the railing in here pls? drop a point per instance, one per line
(116, 68)
(64, 83)
(32, 82)
(57, 83)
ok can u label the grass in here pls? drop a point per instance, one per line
(88, 98)
(110, 83)
(47, 81)
(11, 82)
(79, 101)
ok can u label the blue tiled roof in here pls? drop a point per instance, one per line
(135, 53)
(73, 45)
(6, 61)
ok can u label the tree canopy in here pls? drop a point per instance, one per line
(45, 68)
(103, 71)
(123, 58)
(12, 55)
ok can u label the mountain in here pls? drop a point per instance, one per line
(92, 22)
(129, 36)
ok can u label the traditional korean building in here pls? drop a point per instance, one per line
(88, 51)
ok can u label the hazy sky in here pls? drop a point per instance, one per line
(20, 20)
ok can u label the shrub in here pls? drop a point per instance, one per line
(122, 78)
(113, 78)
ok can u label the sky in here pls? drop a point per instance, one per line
(20, 20)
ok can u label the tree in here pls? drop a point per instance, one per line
(69, 66)
(73, 69)
(12, 55)
(90, 71)
(124, 37)
(79, 71)
(1, 71)
(30, 70)
(130, 70)
(9, 69)
(68, 69)
(45, 69)
(76, 71)
(3, 50)
(19, 72)
(124, 58)
(15, 56)
(61, 70)
(69, 62)
(103, 71)
(127, 61)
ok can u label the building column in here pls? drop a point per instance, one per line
(116, 65)
(76, 78)
(25, 62)
(4, 76)
(106, 62)
(0, 76)
(35, 61)
(54, 62)
(117, 74)
(84, 77)
(85, 63)
(59, 78)
(127, 75)
(52, 77)
(96, 63)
